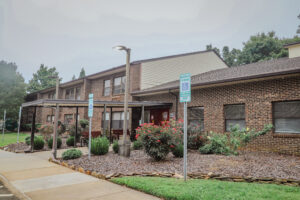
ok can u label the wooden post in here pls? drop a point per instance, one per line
(33, 129)
(104, 120)
(54, 145)
(76, 127)
(143, 114)
(110, 121)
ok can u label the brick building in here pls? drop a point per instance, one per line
(250, 95)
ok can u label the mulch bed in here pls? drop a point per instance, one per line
(21, 147)
(251, 164)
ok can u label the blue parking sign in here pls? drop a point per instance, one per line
(185, 87)
(91, 105)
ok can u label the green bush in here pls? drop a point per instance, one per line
(137, 145)
(70, 141)
(50, 142)
(229, 143)
(116, 146)
(177, 151)
(99, 146)
(72, 130)
(84, 123)
(195, 137)
(28, 139)
(38, 143)
(71, 154)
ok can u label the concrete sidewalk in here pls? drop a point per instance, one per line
(39, 179)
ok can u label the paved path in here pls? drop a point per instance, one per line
(39, 179)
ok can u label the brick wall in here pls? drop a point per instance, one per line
(257, 97)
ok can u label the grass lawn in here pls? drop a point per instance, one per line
(10, 138)
(171, 188)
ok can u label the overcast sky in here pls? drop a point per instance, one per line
(70, 34)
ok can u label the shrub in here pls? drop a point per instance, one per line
(71, 154)
(70, 141)
(61, 127)
(84, 123)
(177, 151)
(229, 143)
(157, 140)
(28, 139)
(116, 146)
(38, 143)
(99, 146)
(50, 142)
(72, 130)
(195, 137)
(132, 136)
(137, 145)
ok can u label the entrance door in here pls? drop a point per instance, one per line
(159, 115)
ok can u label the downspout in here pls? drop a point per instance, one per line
(176, 101)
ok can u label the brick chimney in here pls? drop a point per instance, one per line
(294, 49)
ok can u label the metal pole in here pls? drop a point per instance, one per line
(33, 129)
(185, 142)
(104, 120)
(3, 125)
(19, 123)
(54, 145)
(126, 97)
(143, 114)
(90, 137)
(110, 124)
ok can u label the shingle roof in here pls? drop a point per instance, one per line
(244, 72)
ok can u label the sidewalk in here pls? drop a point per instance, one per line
(39, 179)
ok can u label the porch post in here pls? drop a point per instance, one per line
(110, 121)
(33, 129)
(54, 145)
(143, 114)
(104, 120)
(76, 127)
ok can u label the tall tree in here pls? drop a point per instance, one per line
(210, 47)
(230, 56)
(43, 78)
(73, 77)
(12, 89)
(82, 73)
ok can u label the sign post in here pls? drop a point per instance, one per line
(185, 96)
(90, 114)
(3, 125)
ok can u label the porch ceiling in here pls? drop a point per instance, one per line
(84, 103)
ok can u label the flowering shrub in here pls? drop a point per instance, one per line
(229, 143)
(46, 131)
(195, 137)
(159, 140)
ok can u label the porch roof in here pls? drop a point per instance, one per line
(85, 103)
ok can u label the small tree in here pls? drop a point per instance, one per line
(82, 73)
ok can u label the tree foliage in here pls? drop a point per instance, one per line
(12, 89)
(42, 79)
(260, 47)
(82, 73)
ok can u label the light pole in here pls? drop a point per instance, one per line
(124, 149)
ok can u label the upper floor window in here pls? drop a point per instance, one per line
(51, 95)
(286, 117)
(119, 85)
(106, 89)
(234, 115)
(71, 93)
(196, 117)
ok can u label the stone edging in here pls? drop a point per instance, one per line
(210, 175)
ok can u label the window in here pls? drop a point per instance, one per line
(196, 117)
(119, 85)
(50, 118)
(78, 93)
(106, 120)
(106, 89)
(71, 93)
(117, 120)
(234, 115)
(68, 118)
(51, 95)
(287, 116)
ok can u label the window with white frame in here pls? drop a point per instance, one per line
(106, 89)
(78, 93)
(117, 120)
(196, 117)
(119, 85)
(50, 118)
(68, 118)
(73, 93)
(234, 115)
(106, 120)
(286, 116)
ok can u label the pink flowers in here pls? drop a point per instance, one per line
(157, 140)
(137, 136)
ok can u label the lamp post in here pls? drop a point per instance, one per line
(124, 146)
